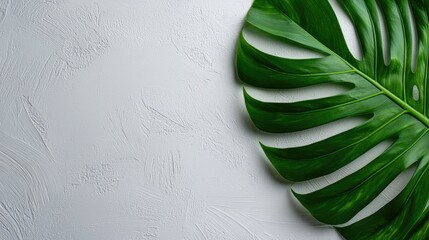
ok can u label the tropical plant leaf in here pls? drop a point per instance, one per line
(393, 97)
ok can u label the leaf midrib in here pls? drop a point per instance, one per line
(422, 118)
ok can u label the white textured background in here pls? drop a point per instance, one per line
(124, 120)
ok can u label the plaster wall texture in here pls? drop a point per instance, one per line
(123, 120)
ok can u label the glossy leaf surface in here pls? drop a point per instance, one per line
(390, 93)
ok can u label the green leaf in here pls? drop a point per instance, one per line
(380, 92)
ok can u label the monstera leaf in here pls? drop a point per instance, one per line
(390, 93)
